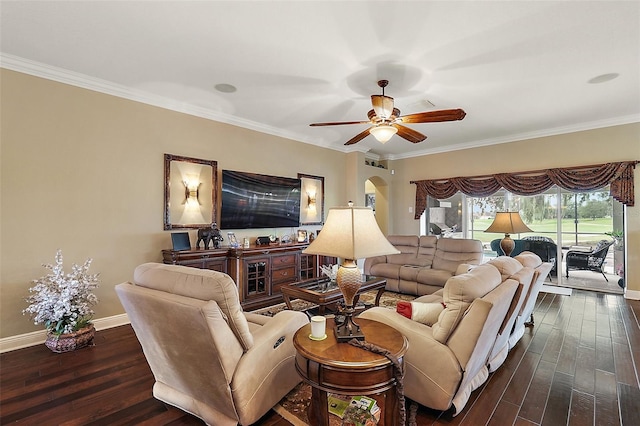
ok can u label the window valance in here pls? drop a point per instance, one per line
(584, 178)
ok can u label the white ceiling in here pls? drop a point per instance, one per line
(518, 69)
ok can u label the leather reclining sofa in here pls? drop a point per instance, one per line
(474, 320)
(424, 263)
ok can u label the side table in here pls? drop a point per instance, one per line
(329, 366)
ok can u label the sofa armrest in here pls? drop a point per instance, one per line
(370, 261)
(266, 353)
(421, 341)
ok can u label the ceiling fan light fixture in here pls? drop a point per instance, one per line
(383, 132)
(382, 105)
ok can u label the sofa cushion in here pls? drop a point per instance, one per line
(386, 270)
(435, 297)
(459, 292)
(428, 244)
(430, 276)
(203, 284)
(463, 268)
(508, 266)
(527, 258)
(451, 252)
(408, 246)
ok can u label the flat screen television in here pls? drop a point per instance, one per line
(252, 200)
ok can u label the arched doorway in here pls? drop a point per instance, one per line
(376, 191)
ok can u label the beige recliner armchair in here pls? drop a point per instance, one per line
(208, 357)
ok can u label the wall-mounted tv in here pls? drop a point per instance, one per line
(252, 200)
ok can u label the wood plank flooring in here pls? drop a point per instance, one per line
(577, 366)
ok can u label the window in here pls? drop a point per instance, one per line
(568, 219)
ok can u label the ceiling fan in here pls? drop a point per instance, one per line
(385, 120)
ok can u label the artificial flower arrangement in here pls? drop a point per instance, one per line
(331, 271)
(63, 302)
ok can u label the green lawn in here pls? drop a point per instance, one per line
(590, 231)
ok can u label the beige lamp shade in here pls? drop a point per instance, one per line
(351, 233)
(508, 223)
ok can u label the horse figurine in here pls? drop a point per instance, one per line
(208, 235)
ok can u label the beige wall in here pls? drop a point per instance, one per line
(619, 143)
(83, 172)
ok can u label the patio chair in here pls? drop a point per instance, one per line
(589, 261)
(538, 238)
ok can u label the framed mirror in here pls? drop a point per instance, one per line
(312, 199)
(190, 187)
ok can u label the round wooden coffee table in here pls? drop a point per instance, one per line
(329, 366)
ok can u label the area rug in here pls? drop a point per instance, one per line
(293, 408)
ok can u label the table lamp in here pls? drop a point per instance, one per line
(350, 233)
(508, 223)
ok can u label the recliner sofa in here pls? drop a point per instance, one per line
(452, 355)
(424, 263)
(447, 361)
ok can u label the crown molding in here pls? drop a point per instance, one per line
(60, 75)
(84, 81)
(580, 127)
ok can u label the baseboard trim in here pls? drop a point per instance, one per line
(632, 294)
(38, 337)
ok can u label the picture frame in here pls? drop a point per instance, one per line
(180, 241)
(190, 192)
(302, 236)
(233, 241)
(311, 199)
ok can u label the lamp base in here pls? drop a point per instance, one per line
(348, 329)
(349, 281)
(507, 245)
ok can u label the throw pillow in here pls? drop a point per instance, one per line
(425, 313)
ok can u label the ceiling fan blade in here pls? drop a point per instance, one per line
(409, 134)
(433, 116)
(339, 123)
(357, 138)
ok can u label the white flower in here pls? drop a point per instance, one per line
(62, 302)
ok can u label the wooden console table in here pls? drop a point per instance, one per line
(329, 366)
(258, 271)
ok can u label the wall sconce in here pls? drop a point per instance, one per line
(191, 193)
(311, 200)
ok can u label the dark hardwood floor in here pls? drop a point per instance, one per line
(577, 366)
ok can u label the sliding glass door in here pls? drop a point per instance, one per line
(569, 220)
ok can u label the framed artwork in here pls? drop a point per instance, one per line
(311, 199)
(302, 236)
(189, 192)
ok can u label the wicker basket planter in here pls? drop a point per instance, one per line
(71, 341)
